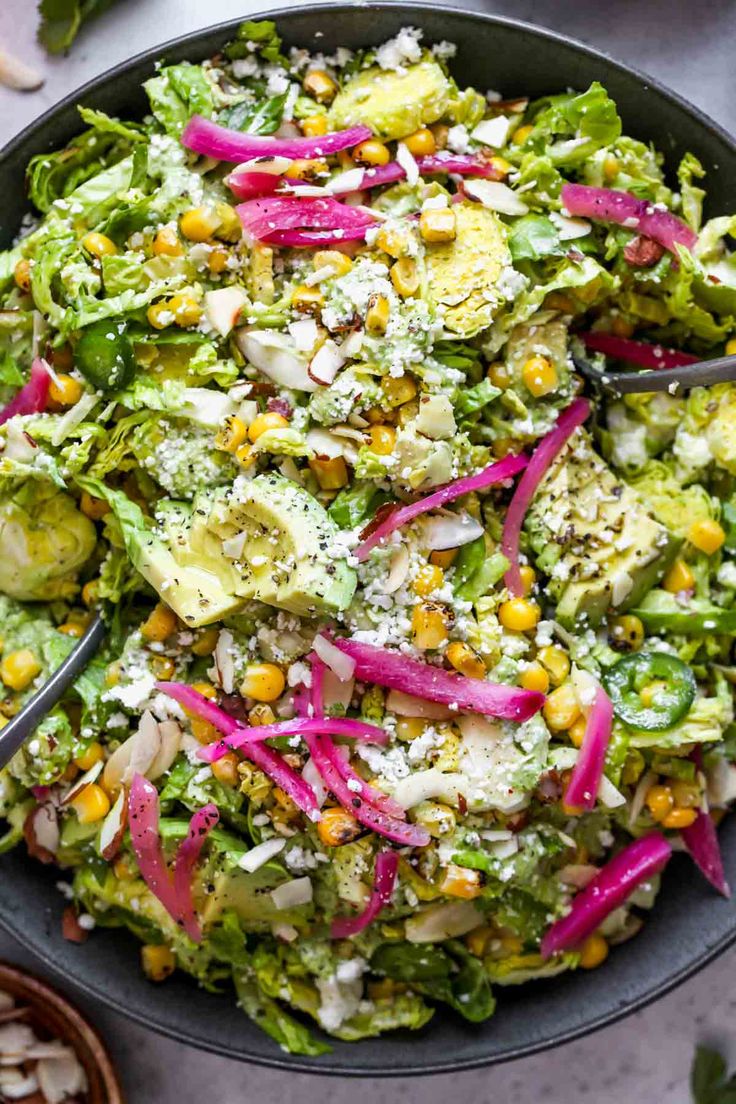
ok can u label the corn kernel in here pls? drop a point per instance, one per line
(198, 224)
(94, 508)
(444, 558)
(441, 133)
(421, 143)
(206, 689)
(72, 628)
(429, 578)
(429, 625)
(261, 714)
(393, 240)
(337, 826)
(500, 166)
(90, 592)
(307, 300)
(376, 318)
(539, 375)
(478, 939)
(91, 805)
(593, 952)
(263, 681)
(500, 375)
(65, 390)
(438, 224)
(405, 277)
(519, 614)
(706, 535)
(561, 708)
(225, 769)
(528, 578)
(167, 244)
(262, 423)
(163, 667)
(521, 134)
(410, 728)
(331, 473)
(217, 259)
(535, 677)
(206, 642)
(112, 673)
(557, 300)
(305, 169)
(627, 631)
(465, 660)
(99, 245)
(314, 126)
(18, 669)
(576, 732)
(398, 390)
(371, 152)
(186, 309)
(679, 818)
(320, 85)
(122, 869)
(160, 624)
(232, 435)
(679, 577)
(160, 315)
(22, 274)
(459, 881)
(382, 439)
(158, 961)
(659, 801)
(611, 169)
(245, 456)
(338, 263)
(731, 347)
(556, 661)
(203, 731)
(92, 754)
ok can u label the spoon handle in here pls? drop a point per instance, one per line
(702, 374)
(16, 731)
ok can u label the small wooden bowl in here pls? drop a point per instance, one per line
(53, 1014)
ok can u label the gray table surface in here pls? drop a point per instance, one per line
(690, 47)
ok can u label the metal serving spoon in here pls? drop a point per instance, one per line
(703, 373)
(16, 731)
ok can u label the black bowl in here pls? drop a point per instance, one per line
(690, 924)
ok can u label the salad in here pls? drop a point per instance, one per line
(420, 660)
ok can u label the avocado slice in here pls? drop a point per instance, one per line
(393, 103)
(463, 273)
(589, 531)
(281, 542)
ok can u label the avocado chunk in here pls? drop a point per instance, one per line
(463, 273)
(589, 531)
(393, 103)
(197, 588)
(281, 542)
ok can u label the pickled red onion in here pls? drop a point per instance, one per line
(701, 841)
(32, 397)
(384, 880)
(610, 888)
(401, 515)
(144, 834)
(211, 140)
(642, 353)
(607, 205)
(541, 459)
(588, 770)
(187, 856)
(400, 672)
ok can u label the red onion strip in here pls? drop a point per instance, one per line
(211, 140)
(33, 396)
(642, 353)
(641, 215)
(588, 770)
(610, 888)
(384, 880)
(402, 515)
(187, 856)
(542, 457)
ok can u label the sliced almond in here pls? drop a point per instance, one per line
(84, 780)
(170, 737)
(14, 73)
(113, 827)
(41, 832)
(60, 1078)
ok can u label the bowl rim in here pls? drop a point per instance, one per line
(335, 1066)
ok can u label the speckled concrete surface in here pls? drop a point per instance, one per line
(646, 1057)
